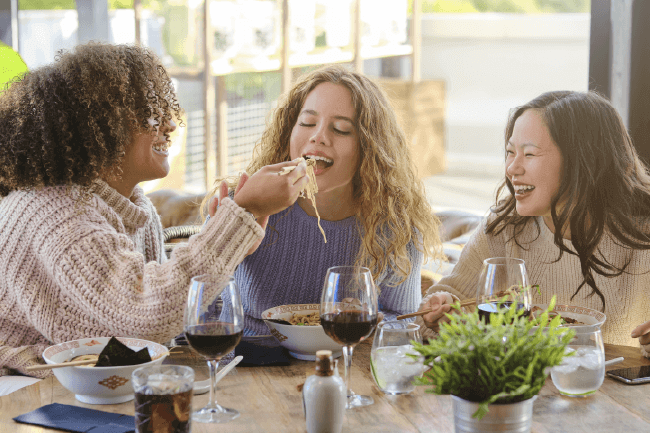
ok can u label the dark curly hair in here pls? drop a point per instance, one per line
(604, 187)
(70, 122)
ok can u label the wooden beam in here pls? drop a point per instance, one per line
(358, 59)
(621, 24)
(416, 41)
(600, 49)
(209, 159)
(222, 128)
(619, 63)
(639, 108)
(286, 40)
(137, 11)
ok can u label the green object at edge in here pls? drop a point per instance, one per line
(11, 65)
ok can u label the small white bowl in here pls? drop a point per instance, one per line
(99, 385)
(302, 342)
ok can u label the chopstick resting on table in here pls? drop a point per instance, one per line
(465, 303)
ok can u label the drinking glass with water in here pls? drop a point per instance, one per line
(583, 368)
(392, 368)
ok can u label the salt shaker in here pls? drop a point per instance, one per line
(324, 396)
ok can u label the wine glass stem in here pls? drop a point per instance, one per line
(213, 364)
(347, 357)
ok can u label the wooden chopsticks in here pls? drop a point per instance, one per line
(465, 303)
(79, 363)
(61, 365)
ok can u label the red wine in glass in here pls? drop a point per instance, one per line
(348, 314)
(213, 326)
(502, 282)
(213, 340)
(485, 310)
(348, 327)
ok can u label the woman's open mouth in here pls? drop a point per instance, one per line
(161, 147)
(322, 162)
(522, 191)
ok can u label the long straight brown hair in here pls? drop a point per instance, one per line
(604, 185)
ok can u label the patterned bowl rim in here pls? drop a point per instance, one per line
(276, 312)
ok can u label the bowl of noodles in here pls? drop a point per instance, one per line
(572, 315)
(305, 335)
(99, 385)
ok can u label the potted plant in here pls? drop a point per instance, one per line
(493, 370)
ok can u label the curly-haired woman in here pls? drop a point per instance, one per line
(576, 208)
(81, 246)
(372, 207)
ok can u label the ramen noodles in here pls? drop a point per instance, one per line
(310, 190)
(300, 319)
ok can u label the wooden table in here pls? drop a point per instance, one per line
(269, 401)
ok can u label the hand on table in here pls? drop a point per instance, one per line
(642, 332)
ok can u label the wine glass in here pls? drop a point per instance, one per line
(348, 314)
(502, 277)
(213, 326)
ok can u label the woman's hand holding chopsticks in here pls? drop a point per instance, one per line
(439, 304)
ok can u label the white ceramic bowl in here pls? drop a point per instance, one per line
(301, 341)
(585, 315)
(99, 385)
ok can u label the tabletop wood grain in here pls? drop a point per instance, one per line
(269, 401)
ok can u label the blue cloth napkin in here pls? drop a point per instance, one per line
(257, 350)
(261, 350)
(78, 419)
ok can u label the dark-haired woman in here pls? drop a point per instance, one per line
(81, 247)
(576, 211)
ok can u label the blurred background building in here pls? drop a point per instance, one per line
(455, 66)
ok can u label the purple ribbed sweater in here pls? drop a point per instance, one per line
(290, 265)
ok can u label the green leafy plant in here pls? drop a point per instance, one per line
(505, 360)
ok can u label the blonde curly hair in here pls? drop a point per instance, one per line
(391, 203)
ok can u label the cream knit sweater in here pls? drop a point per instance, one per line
(626, 296)
(99, 269)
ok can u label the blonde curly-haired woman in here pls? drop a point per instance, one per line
(372, 206)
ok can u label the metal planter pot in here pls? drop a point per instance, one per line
(511, 417)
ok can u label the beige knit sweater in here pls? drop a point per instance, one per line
(626, 296)
(69, 272)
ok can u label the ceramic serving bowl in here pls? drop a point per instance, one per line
(586, 316)
(99, 385)
(302, 342)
